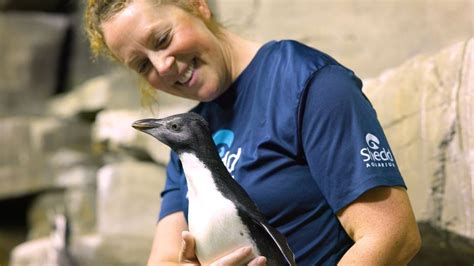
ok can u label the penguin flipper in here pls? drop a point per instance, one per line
(278, 239)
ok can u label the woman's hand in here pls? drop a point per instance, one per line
(188, 254)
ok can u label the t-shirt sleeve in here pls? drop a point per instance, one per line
(171, 197)
(342, 140)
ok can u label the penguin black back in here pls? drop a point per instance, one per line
(188, 133)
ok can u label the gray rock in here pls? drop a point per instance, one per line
(86, 250)
(22, 164)
(53, 250)
(34, 252)
(114, 127)
(128, 198)
(78, 203)
(39, 213)
(30, 49)
(72, 192)
(442, 247)
(72, 168)
(26, 144)
(115, 90)
(367, 36)
(112, 250)
(82, 209)
(10, 236)
(425, 107)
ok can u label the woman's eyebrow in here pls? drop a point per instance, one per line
(155, 32)
(145, 39)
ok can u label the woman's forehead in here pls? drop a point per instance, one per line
(133, 25)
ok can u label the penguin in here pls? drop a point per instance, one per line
(59, 253)
(221, 215)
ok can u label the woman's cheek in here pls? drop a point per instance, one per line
(154, 80)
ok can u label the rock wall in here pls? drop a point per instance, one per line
(367, 36)
(425, 106)
(30, 49)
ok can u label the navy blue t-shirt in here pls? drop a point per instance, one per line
(296, 131)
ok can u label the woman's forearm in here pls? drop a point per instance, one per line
(381, 251)
(382, 224)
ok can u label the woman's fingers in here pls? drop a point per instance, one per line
(188, 249)
(258, 261)
(239, 257)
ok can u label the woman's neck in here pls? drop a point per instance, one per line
(240, 52)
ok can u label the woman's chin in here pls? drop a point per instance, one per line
(208, 95)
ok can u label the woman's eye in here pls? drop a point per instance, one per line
(162, 41)
(143, 66)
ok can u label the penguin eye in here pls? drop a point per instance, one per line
(174, 126)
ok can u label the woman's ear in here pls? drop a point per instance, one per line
(203, 8)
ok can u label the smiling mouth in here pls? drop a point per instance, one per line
(188, 74)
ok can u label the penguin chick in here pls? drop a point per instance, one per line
(221, 215)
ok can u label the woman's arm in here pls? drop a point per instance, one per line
(382, 224)
(167, 241)
(172, 245)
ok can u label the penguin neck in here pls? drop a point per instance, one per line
(199, 177)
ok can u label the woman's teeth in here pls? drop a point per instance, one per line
(187, 74)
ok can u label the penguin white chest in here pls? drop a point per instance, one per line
(213, 219)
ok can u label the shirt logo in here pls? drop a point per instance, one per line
(372, 141)
(374, 155)
(223, 140)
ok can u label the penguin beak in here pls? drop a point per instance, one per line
(145, 124)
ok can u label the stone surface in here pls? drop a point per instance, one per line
(128, 198)
(26, 143)
(114, 90)
(78, 203)
(441, 247)
(112, 250)
(425, 107)
(31, 253)
(83, 64)
(72, 168)
(30, 49)
(86, 250)
(368, 36)
(20, 161)
(114, 128)
(8, 240)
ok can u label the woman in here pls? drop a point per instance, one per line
(291, 124)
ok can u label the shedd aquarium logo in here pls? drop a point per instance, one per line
(223, 140)
(374, 155)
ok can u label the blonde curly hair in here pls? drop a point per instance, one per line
(99, 11)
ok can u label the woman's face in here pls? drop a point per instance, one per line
(172, 49)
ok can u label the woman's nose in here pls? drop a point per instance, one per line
(164, 65)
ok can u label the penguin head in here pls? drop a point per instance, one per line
(187, 132)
